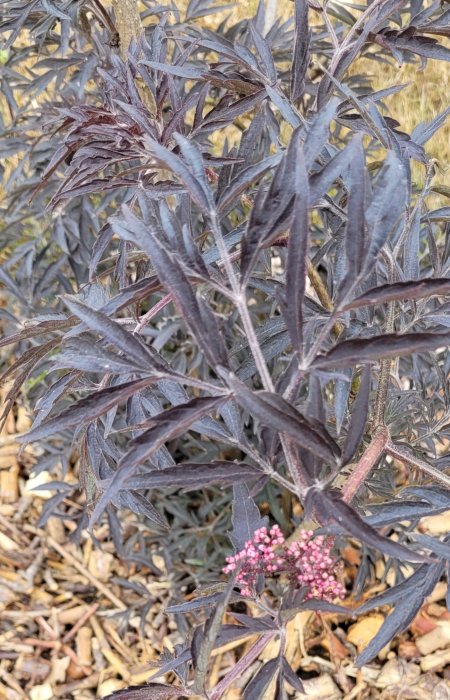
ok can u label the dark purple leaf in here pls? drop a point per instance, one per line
(442, 549)
(150, 691)
(396, 511)
(424, 131)
(320, 183)
(290, 676)
(140, 505)
(355, 243)
(12, 287)
(296, 264)
(174, 163)
(318, 132)
(264, 52)
(324, 606)
(329, 508)
(166, 426)
(397, 592)
(53, 10)
(244, 178)
(145, 356)
(387, 206)
(200, 603)
(404, 612)
(411, 289)
(195, 475)
(274, 412)
(88, 409)
(283, 104)
(188, 72)
(420, 45)
(256, 689)
(246, 517)
(88, 356)
(358, 350)
(201, 321)
(358, 417)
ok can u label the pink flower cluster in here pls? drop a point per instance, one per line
(307, 562)
(261, 555)
(312, 565)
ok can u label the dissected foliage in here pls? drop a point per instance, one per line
(220, 273)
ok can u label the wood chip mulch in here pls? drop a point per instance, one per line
(71, 628)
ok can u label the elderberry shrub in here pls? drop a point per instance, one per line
(222, 277)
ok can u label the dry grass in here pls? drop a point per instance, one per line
(422, 100)
(425, 97)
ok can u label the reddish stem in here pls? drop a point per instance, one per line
(367, 462)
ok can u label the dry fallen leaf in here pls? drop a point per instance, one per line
(7, 543)
(363, 631)
(334, 646)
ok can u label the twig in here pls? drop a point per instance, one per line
(329, 24)
(71, 633)
(383, 381)
(83, 570)
(107, 652)
(62, 691)
(403, 456)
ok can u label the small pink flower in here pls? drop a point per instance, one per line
(307, 562)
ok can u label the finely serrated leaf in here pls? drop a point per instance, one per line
(145, 356)
(330, 508)
(404, 611)
(291, 677)
(166, 426)
(318, 131)
(178, 167)
(355, 235)
(387, 206)
(87, 409)
(410, 289)
(150, 691)
(256, 689)
(195, 475)
(246, 518)
(300, 56)
(274, 412)
(358, 418)
(359, 350)
(298, 248)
